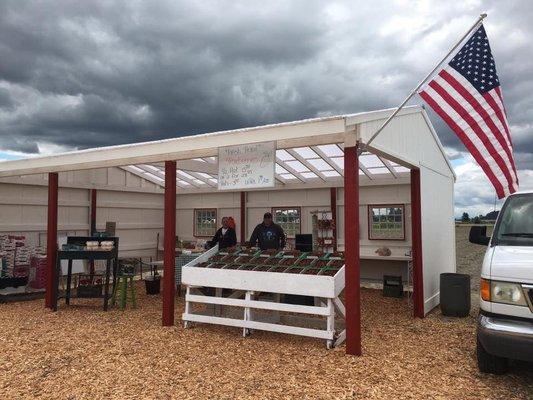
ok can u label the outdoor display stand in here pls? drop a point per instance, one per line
(76, 249)
(248, 272)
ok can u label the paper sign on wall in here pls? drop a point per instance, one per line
(246, 166)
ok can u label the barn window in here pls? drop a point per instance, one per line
(289, 218)
(386, 222)
(205, 222)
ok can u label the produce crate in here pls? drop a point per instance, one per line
(90, 286)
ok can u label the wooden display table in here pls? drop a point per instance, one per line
(249, 283)
(110, 256)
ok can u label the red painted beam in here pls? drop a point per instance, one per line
(93, 211)
(51, 240)
(416, 237)
(92, 224)
(169, 257)
(243, 217)
(352, 291)
(333, 202)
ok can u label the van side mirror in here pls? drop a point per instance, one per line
(478, 235)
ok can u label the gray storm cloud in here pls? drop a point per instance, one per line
(86, 74)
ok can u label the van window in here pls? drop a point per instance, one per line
(515, 223)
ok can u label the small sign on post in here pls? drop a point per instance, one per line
(246, 166)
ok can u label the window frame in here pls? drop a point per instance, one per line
(299, 208)
(369, 217)
(195, 228)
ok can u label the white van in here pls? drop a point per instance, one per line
(505, 324)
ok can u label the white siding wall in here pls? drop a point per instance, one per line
(139, 215)
(438, 232)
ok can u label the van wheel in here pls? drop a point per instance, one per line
(488, 363)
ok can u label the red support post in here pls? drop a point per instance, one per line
(93, 212)
(333, 202)
(243, 217)
(169, 257)
(416, 238)
(92, 228)
(352, 291)
(51, 240)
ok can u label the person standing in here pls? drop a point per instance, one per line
(225, 237)
(268, 234)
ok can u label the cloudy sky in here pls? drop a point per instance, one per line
(77, 74)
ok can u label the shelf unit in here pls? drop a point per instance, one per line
(323, 231)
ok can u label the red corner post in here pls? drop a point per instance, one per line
(51, 240)
(352, 290)
(243, 217)
(416, 233)
(92, 228)
(93, 212)
(333, 203)
(169, 282)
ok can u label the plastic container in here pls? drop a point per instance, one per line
(455, 294)
(153, 285)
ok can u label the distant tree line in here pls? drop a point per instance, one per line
(491, 216)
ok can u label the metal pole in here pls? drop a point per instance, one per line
(415, 90)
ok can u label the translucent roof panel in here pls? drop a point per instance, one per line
(157, 178)
(136, 169)
(401, 169)
(379, 170)
(280, 169)
(284, 155)
(297, 166)
(339, 161)
(186, 175)
(370, 161)
(320, 164)
(309, 175)
(306, 152)
(331, 150)
(331, 174)
(288, 176)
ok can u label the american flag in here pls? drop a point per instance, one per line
(468, 97)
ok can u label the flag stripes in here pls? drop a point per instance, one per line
(467, 95)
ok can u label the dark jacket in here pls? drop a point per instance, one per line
(224, 241)
(269, 237)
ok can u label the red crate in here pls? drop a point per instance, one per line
(37, 275)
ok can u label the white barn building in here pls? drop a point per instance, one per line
(317, 169)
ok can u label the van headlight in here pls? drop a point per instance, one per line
(507, 293)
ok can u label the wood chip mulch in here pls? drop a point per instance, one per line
(80, 352)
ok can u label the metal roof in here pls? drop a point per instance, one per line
(308, 151)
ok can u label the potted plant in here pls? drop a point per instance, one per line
(153, 282)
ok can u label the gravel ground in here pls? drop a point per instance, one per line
(81, 352)
(469, 256)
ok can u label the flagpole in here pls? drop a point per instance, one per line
(415, 90)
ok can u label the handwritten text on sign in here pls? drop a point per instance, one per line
(246, 166)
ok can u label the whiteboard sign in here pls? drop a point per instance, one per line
(246, 166)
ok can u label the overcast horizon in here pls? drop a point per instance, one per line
(76, 75)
